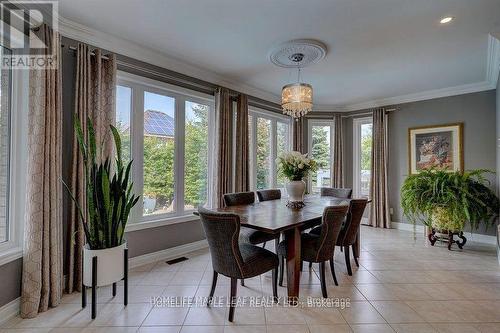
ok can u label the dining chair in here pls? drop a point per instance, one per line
(234, 259)
(266, 195)
(248, 235)
(348, 234)
(319, 248)
(345, 193)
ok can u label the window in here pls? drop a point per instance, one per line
(165, 130)
(5, 143)
(13, 155)
(362, 155)
(320, 138)
(269, 136)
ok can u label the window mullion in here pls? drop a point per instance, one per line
(179, 163)
(274, 149)
(254, 153)
(137, 147)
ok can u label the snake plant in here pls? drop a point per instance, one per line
(108, 191)
(447, 200)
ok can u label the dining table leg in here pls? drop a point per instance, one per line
(293, 260)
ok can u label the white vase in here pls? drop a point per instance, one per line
(109, 265)
(296, 190)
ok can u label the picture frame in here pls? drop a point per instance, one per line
(436, 146)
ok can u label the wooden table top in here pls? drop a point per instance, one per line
(274, 216)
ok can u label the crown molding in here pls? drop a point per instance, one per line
(131, 49)
(420, 96)
(85, 34)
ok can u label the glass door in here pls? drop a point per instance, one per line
(362, 155)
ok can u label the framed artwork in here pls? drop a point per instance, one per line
(437, 147)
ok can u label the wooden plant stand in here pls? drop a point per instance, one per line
(449, 236)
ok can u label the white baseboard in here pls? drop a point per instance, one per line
(166, 254)
(473, 237)
(10, 310)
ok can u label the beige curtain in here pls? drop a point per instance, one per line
(379, 212)
(241, 182)
(222, 173)
(338, 152)
(42, 261)
(297, 134)
(94, 99)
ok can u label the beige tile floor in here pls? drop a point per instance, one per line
(403, 285)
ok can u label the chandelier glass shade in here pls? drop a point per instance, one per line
(297, 99)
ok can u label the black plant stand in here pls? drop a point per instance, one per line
(448, 236)
(94, 284)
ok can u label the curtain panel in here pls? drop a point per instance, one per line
(297, 134)
(379, 212)
(43, 250)
(222, 166)
(338, 152)
(242, 180)
(95, 89)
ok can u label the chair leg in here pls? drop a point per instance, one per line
(212, 291)
(301, 265)
(310, 265)
(276, 244)
(355, 255)
(242, 282)
(232, 298)
(332, 268)
(264, 245)
(275, 285)
(282, 268)
(322, 279)
(347, 260)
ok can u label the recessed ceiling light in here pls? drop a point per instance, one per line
(446, 19)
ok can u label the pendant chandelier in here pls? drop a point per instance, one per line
(297, 97)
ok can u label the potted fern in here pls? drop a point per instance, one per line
(445, 201)
(109, 199)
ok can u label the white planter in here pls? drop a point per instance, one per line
(109, 265)
(296, 190)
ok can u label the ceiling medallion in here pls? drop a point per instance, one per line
(297, 97)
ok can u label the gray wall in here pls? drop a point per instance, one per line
(476, 111)
(10, 277)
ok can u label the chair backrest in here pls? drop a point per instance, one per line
(239, 198)
(331, 224)
(265, 195)
(345, 193)
(222, 231)
(353, 221)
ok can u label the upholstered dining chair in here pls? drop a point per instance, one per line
(345, 193)
(347, 236)
(266, 195)
(319, 248)
(248, 235)
(234, 259)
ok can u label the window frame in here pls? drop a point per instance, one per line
(139, 85)
(356, 152)
(320, 122)
(274, 118)
(12, 248)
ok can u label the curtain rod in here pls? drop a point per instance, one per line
(368, 113)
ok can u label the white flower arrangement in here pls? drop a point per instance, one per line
(294, 165)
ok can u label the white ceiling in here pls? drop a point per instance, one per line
(377, 49)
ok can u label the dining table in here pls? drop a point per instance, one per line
(275, 217)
